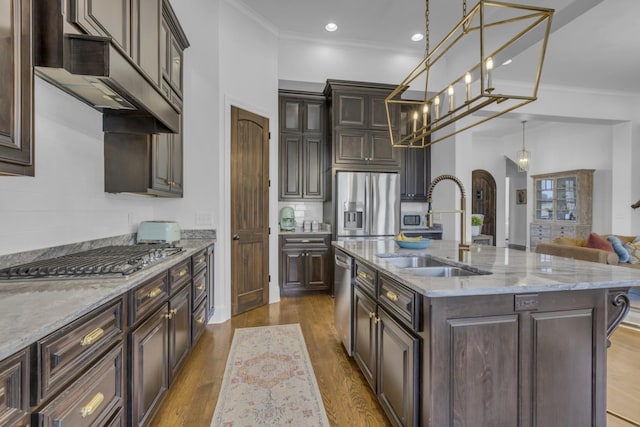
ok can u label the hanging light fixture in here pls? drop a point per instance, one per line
(523, 156)
(475, 52)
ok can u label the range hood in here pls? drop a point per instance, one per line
(93, 70)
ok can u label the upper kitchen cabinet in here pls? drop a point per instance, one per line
(415, 174)
(359, 125)
(109, 18)
(173, 42)
(146, 43)
(302, 146)
(16, 89)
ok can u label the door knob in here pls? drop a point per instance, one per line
(236, 237)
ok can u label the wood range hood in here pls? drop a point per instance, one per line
(96, 71)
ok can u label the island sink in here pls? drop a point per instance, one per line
(426, 265)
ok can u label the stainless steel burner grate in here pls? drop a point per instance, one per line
(110, 261)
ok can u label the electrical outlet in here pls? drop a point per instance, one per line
(204, 218)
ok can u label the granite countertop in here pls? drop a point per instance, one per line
(30, 310)
(512, 271)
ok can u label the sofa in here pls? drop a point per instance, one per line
(596, 248)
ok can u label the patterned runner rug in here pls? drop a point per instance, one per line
(269, 380)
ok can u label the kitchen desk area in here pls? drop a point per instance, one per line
(504, 338)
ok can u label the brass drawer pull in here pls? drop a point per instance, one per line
(200, 287)
(392, 296)
(305, 241)
(154, 293)
(200, 320)
(377, 320)
(91, 407)
(363, 275)
(92, 337)
(371, 315)
(200, 260)
(183, 272)
(171, 313)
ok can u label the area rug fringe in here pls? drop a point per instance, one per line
(269, 380)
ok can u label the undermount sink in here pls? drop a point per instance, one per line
(442, 271)
(425, 265)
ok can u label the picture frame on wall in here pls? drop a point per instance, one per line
(521, 196)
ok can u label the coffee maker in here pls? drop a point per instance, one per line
(287, 219)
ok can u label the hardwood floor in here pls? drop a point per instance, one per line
(345, 393)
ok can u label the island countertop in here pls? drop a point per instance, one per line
(32, 309)
(512, 271)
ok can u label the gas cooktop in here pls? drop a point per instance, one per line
(106, 262)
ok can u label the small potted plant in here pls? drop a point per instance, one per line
(476, 224)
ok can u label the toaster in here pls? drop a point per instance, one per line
(158, 232)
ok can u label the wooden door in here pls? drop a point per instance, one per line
(249, 210)
(483, 200)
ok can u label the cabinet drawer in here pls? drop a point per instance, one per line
(366, 278)
(92, 399)
(147, 297)
(304, 241)
(68, 351)
(199, 261)
(179, 275)
(563, 231)
(199, 321)
(401, 302)
(14, 389)
(199, 285)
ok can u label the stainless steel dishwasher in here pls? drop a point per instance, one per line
(343, 291)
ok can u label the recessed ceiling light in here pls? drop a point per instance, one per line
(507, 62)
(331, 26)
(417, 37)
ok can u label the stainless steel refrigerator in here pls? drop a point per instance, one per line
(367, 204)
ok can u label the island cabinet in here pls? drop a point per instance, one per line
(14, 389)
(386, 347)
(305, 264)
(16, 89)
(515, 360)
(562, 206)
(302, 146)
(359, 126)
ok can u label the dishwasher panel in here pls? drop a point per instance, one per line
(343, 298)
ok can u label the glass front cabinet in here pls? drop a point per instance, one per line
(562, 204)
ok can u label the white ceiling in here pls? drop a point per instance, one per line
(594, 43)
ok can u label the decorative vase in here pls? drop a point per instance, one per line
(475, 230)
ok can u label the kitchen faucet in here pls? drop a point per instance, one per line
(463, 246)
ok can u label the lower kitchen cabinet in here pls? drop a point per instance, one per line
(387, 354)
(179, 330)
(305, 264)
(92, 400)
(149, 365)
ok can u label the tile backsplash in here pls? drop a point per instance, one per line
(311, 211)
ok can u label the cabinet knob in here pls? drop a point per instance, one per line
(236, 237)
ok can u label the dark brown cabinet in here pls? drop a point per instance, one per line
(109, 18)
(173, 42)
(304, 264)
(415, 173)
(149, 365)
(16, 89)
(179, 330)
(385, 347)
(146, 36)
(302, 146)
(359, 125)
(14, 389)
(167, 163)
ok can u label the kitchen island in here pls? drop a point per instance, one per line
(509, 338)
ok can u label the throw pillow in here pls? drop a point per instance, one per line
(596, 241)
(619, 248)
(634, 252)
(636, 240)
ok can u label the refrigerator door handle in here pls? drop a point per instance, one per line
(367, 204)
